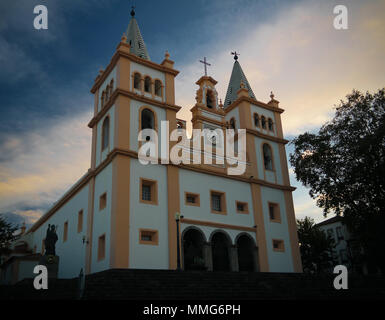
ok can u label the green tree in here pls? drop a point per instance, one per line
(344, 167)
(7, 231)
(316, 248)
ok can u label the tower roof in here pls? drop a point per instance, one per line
(237, 76)
(134, 38)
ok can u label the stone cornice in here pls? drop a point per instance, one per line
(252, 101)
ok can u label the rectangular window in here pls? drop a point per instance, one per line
(218, 202)
(65, 231)
(278, 245)
(274, 212)
(148, 191)
(101, 247)
(103, 201)
(147, 236)
(80, 221)
(192, 199)
(242, 207)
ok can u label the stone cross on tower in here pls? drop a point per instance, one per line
(206, 64)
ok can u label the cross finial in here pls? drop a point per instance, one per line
(235, 54)
(133, 11)
(205, 64)
(271, 95)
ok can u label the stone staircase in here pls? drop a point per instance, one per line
(142, 284)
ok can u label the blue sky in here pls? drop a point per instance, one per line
(289, 47)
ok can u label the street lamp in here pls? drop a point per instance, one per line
(178, 216)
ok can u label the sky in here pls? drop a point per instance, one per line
(288, 47)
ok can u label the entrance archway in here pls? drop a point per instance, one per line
(193, 241)
(246, 249)
(220, 250)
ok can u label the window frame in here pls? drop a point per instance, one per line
(101, 247)
(155, 237)
(154, 191)
(281, 247)
(246, 207)
(277, 212)
(197, 197)
(222, 200)
(102, 201)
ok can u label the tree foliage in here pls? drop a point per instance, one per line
(316, 248)
(344, 167)
(7, 231)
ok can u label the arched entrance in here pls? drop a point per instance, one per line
(193, 241)
(246, 249)
(220, 250)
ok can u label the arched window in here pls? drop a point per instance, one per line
(107, 93)
(158, 88)
(232, 123)
(263, 122)
(137, 81)
(256, 119)
(111, 86)
(209, 99)
(267, 157)
(147, 84)
(147, 120)
(105, 133)
(270, 124)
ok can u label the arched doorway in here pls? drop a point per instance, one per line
(220, 250)
(246, 249)
(193, 241)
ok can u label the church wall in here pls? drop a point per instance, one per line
(101, 155)
(278, 261)
(112, 75)
(154, 74)
(135, 106)
(148, 216)
(233, 114)
(262, 112)
(268, 175)
(211, 116)
(200, 183)
(72, 251)
(102, 218)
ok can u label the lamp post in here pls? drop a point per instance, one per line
(178, 216)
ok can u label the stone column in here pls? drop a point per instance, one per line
(233, 255)
(256, 259)
(208, 256)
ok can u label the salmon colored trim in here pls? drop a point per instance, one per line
(260, 232)
(133, 58)
(155, 234)
(284, 167)
(122, 123)
(254, 102)
(173, 207)
(131, 95)
(217, 225)
(266, 137)
(120, 213)
(293, 234)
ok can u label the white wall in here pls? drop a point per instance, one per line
(102, 219)
(278, 261)
(147, 216)
(112, 75)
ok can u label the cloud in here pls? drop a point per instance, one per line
(298, 55)
(43, 163)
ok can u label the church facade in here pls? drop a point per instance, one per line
(121, 213)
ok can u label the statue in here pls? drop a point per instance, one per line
(50, 240)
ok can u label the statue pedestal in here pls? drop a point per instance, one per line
(51, 262)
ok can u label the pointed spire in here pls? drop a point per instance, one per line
(134, 38)
(236, 80)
